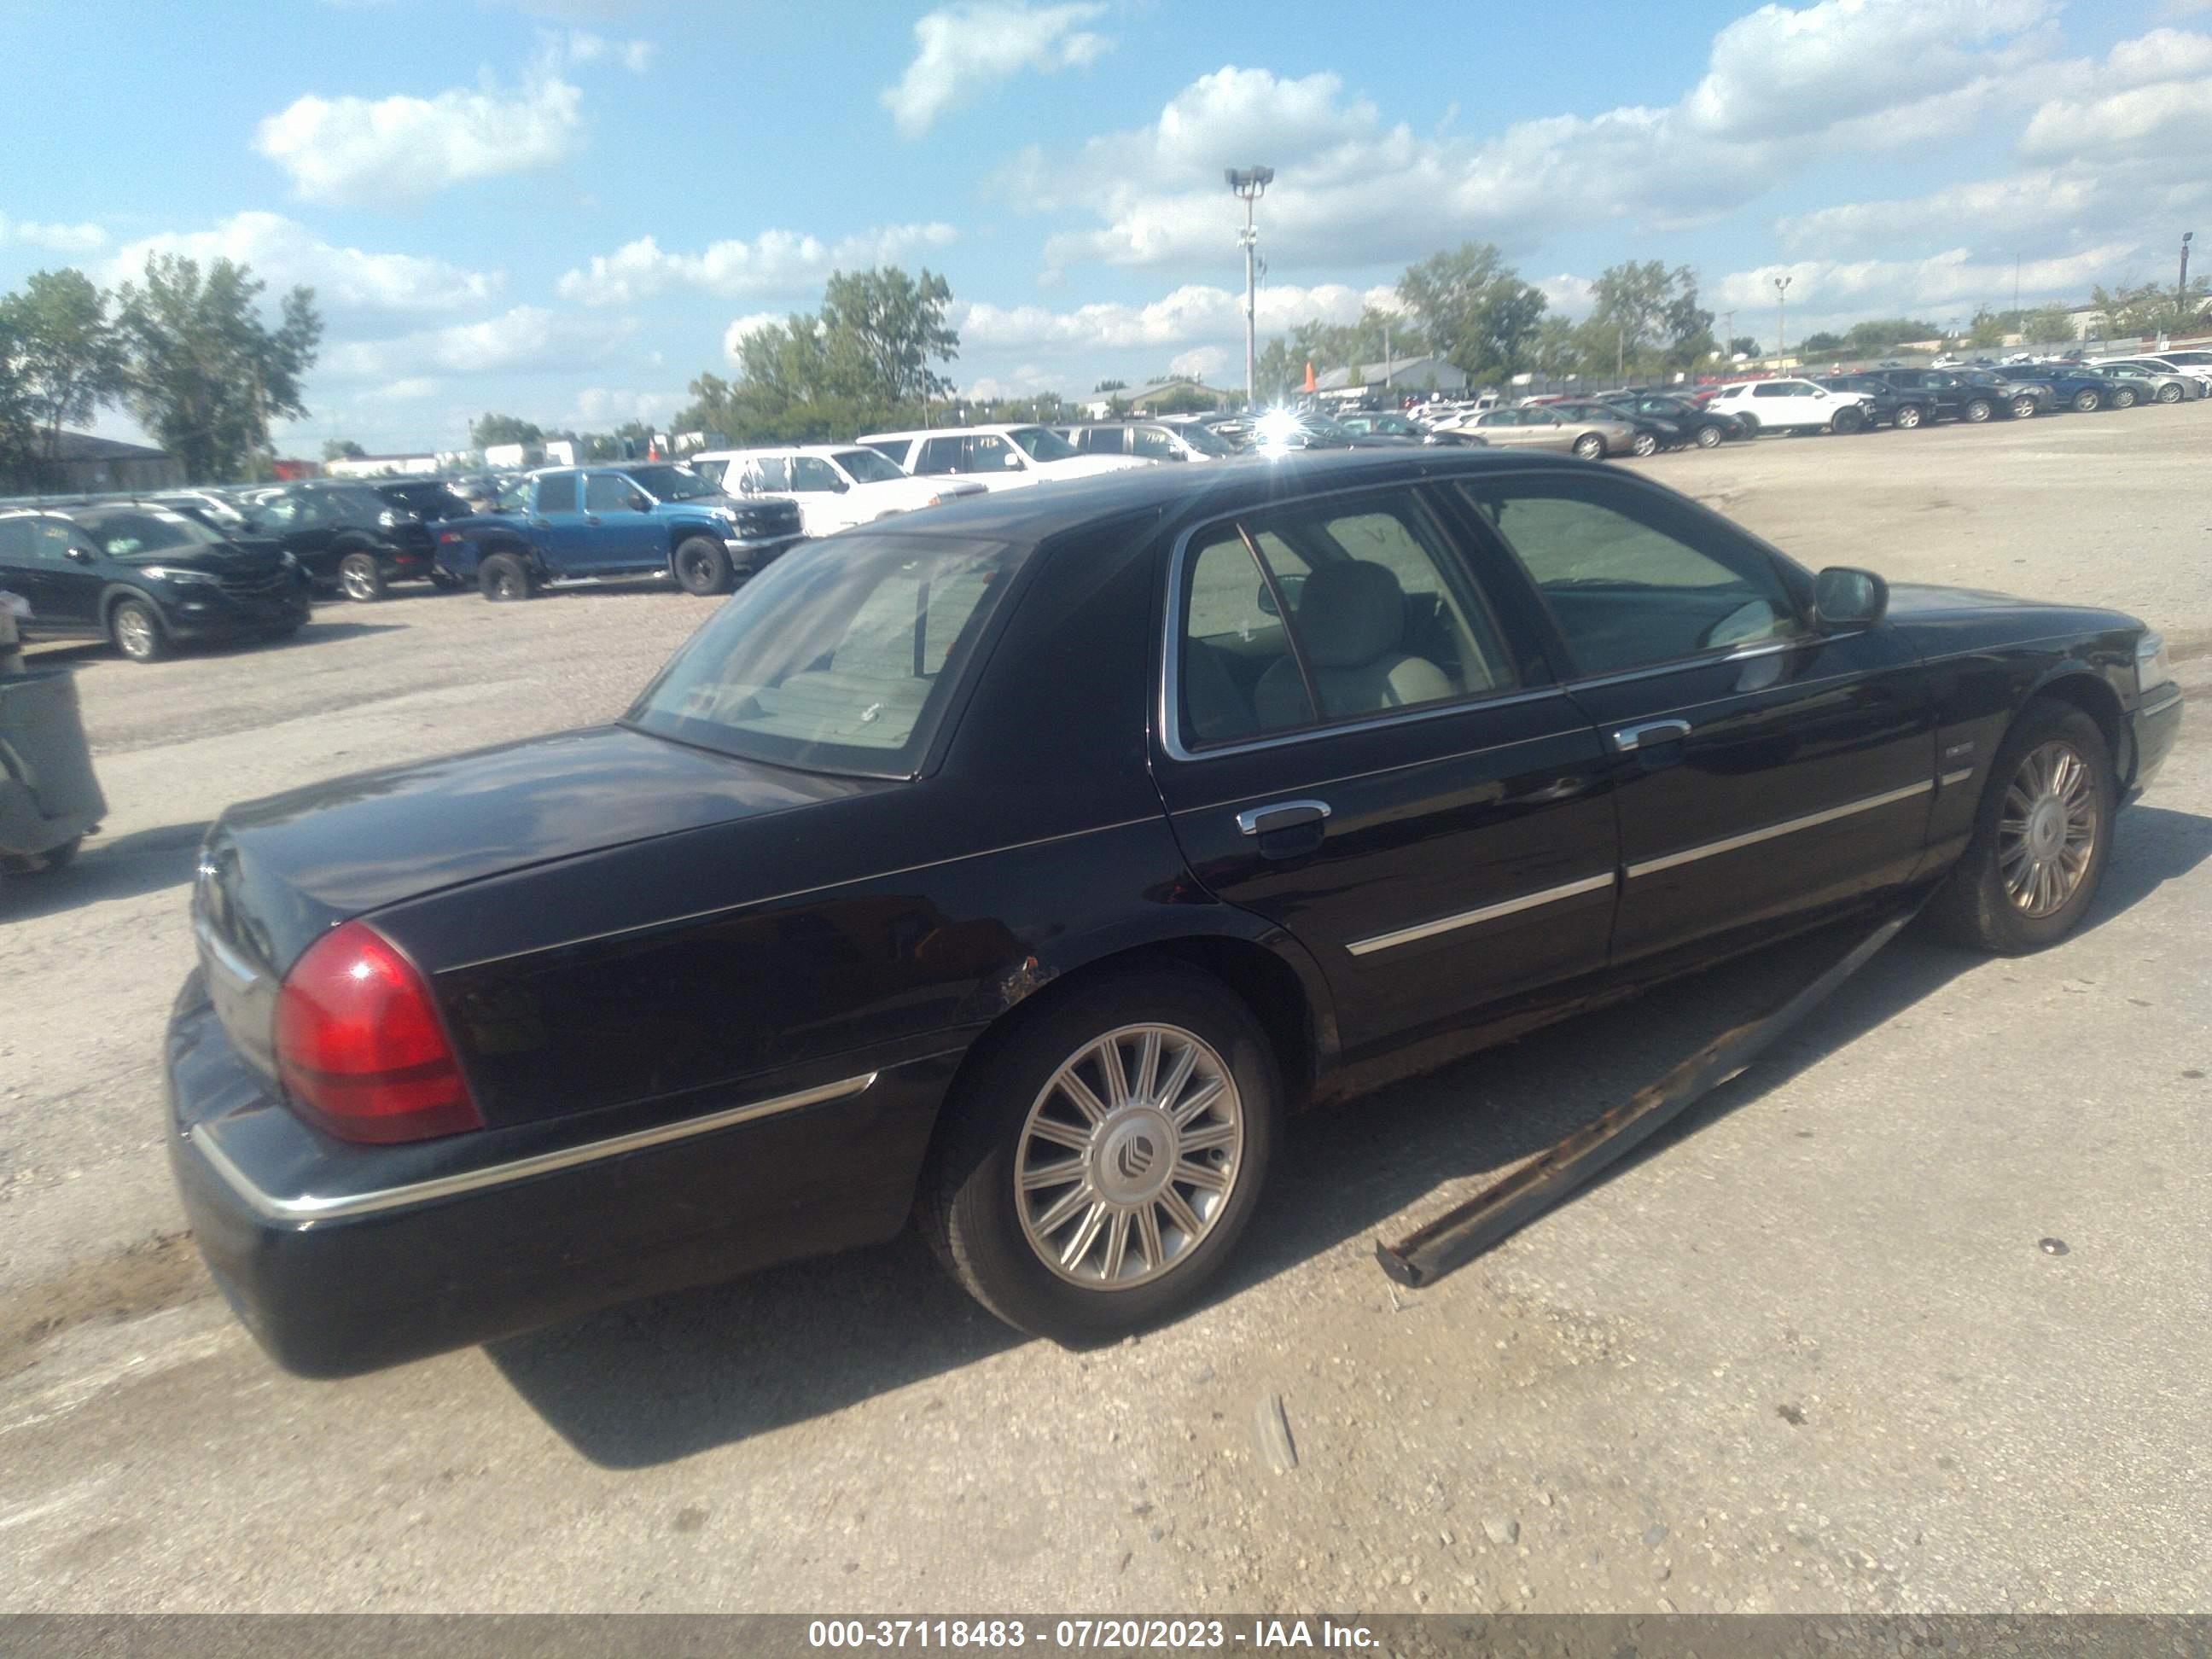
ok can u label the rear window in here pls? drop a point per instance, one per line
(840, 657)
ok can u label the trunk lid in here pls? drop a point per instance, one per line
(276, 874)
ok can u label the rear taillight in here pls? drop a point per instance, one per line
(449, 537)
(360, 1046)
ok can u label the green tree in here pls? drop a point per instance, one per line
(1111, 385)
(1556, 352)
(2150, 308)
(206, 374)
(67, 361)
(1821, 342)
(1743, 345)
(882, 329)
(1473, 308)
(490, 429)
(343, 449)
(1646, 319)
(1184, 400)
(18, 427)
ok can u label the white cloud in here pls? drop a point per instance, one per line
(413, 389)
(58, 238)
(774, 262)
(526, 340)
(1200, 362)
(1824, 291)
(598, 407)
(964, 50)
(1025, 382)
(1192, 313)
(734, 335)
(2170, 118)
(582, 47)
(356, 151)
(347, 280)
(1864, 73)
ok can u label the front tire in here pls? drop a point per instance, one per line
(1909, 416)
(1750, 423)
(2123, 398)
(1847, 421)
(2169, 394)
(1645, 444)
(1100, 1162)
(2043, 834)
(702, 566)
(2023, 408)
(504, 579)
(1591, 447)
(360, 580)
(135, 628)
(2087, 402)
(1978, 409)
(1708, 437)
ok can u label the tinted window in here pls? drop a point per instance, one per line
(1633, 578)
(811, 475)
(1152, 442)
(1383, 615)
(1099, 439)
(1042, 444)
(606, 492)
(556, 492)
(50, 541)
(120, 535)
(768, 472)
(15, 541)
(715, 469)
(1769, 389)
(893, 449)
(1501, 418)
(938, 455)
(837, 660)
(988, 452)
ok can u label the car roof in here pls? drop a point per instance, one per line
(997, 430)
(1237, 484)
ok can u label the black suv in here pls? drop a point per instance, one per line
(144, 577)
(1703, 427)
(349, 538)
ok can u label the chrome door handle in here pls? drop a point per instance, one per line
(1283, 815)
(1630, 738)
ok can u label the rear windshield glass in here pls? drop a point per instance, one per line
(841, 657)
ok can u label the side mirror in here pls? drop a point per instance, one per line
(637, 503)
(82, 554)
(1011, 459)
(1846, 598)
(1292, 587)
(840, 486)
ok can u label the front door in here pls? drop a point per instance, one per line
(1762, 767)
(557, 524)
(70, 588)
(617, 533)
(1353, 746)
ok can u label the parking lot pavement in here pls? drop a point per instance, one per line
(1806, 1353)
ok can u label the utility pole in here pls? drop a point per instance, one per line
(1251, 184)
(1781, 320)
(2015, 291)
(1727, 340)
(2181, 292)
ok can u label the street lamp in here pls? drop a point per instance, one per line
(1781, 316)
(2181, 293)
(1251, 184)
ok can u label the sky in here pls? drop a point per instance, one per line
(566, 209)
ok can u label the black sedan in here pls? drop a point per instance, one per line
(1023, 864)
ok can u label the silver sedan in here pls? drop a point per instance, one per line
(1532, 426)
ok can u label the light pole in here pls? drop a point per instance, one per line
(1251, 184)
(2181, 292)
(1781, 319)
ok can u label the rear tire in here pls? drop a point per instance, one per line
(1750, 423)
(702, 566)
(1977, 907)
(1645, 444)
(504, 579)
(2023, 408)
(135, 628)
(1978, 409)
(2087, 402)
(1909, 416)
(2123, 398)
(359, 578)
(1040, 1254)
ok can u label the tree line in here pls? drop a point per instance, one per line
(186, 350)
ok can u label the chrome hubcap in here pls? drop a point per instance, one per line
(359, 583)
(2047, 831)
(1128, 1156)
(134, 632)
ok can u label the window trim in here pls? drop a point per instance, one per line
(1167, 711)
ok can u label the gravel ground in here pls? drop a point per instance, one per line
(1806, 1354)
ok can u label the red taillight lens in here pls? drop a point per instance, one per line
(360, 1047)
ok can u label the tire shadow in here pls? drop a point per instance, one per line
(143, 861)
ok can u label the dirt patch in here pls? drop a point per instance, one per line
(162, 1271)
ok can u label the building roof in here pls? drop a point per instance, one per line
(83, 447)
(1403, 371)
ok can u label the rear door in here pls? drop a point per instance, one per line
(1393, 777)
(557, 523)
(1762, 768)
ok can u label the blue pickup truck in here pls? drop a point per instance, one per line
(586, 524)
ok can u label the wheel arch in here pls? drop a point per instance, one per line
(2081, 686)
(116, 593)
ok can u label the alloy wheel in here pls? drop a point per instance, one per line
(360, 584)
(134, 632)
(1128, 1156)
(2047, 829)
(2023, 408)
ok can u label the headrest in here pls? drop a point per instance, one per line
(1350, 613)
